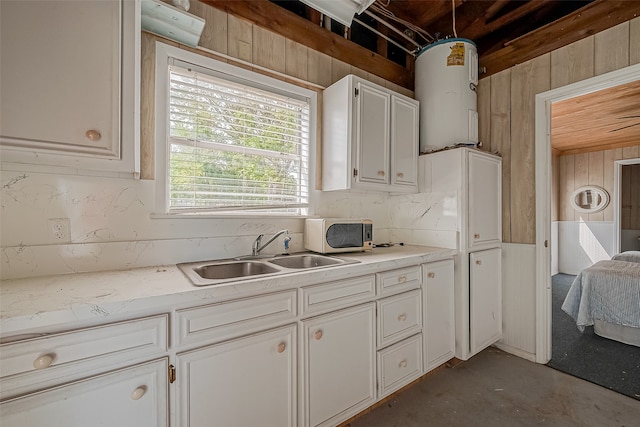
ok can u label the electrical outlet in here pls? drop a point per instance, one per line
(60, 230)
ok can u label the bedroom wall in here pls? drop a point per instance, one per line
(587, 238)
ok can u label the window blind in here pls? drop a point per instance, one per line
(235, 146)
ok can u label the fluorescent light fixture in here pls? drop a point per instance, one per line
(171, 22)
(340, 10)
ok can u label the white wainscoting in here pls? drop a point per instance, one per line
(554, 248)
(582, 244)
(518, 300)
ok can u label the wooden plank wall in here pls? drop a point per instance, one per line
(246, 45)
(511, 112)
(589, 169)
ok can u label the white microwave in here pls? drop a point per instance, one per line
(333, 235)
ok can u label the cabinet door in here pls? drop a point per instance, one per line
(439, 315)
(485, 200)
(372, 142)
(404, 142)
(339, 365)
(485, 294)
(249, 381)
(71, 65)
(135, 396)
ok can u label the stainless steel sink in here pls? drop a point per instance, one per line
(230, 270)
(305, 261)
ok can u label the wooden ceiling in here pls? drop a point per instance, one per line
(602, 120)
(507, 32)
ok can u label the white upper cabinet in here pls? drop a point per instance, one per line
(370, 138)
(485, 225)
(68, 90)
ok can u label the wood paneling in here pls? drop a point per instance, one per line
(268, 49)
(296, 60)
(572, 63)
(147, 116)
(611, 49)
(527, 80)
(500, 142)
(319, 68)
(214, 34)
(512, 129)
(596, 168)
(239, 39)
(555, 186)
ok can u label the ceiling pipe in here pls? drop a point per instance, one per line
(384, 37)
(392, 28)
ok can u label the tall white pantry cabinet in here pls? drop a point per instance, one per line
(472, 179)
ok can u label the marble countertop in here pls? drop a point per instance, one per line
(51, 304)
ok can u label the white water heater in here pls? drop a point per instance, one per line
(446, 80)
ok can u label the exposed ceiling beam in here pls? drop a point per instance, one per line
(595, 17)
(279, 20)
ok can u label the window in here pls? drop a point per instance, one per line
(236, 140)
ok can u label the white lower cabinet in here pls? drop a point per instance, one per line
(485, 298)
(439, 313)
(339, 365)
(249, 381)
(135, 396)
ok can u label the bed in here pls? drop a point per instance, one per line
(607, 296)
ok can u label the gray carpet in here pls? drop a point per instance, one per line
(605, 362)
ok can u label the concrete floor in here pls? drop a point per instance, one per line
(495, 388)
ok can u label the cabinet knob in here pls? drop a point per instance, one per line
(400, 174)
(43, 362)
(93, 135)
(402, 279)
(478, 262)
(380, 173)
(431, 275)
(317, 334)
(403, 363)
(402, 317)
(476, 236)
(281, 347)
(138, 392)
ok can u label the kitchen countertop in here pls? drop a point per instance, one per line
(56, 303)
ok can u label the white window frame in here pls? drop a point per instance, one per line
(164, 54)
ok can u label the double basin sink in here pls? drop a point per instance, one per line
(206, 273)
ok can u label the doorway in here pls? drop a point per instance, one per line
(544, 102)
(626, 209)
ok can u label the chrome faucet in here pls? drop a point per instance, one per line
(257, 244)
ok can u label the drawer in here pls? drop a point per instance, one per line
(45, 361)
(400, 280)
(399, 364)
(399, 316)
(335, 295)
(229, 319)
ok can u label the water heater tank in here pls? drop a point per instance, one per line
(446, 79)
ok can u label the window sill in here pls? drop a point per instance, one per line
(227, 215)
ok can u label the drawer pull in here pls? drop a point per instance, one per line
(139, 392)
(318, 334)
(476, 236)
(431, 275)
(402, 317)
(281, 347)
(403, 363)
(400, 175)
(43, 362)
(381, 173)
(478, 262)
(402, 279)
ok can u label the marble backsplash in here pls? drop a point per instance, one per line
(112, 226)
